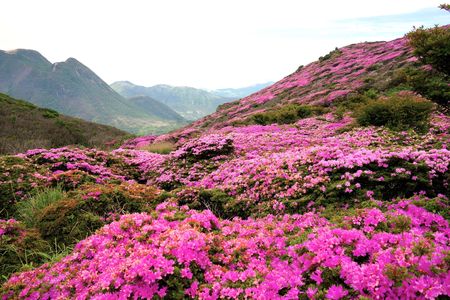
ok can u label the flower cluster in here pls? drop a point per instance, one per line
(178, 251)
(138, 142)
(205, 147)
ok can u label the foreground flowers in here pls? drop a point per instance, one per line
(390, 251)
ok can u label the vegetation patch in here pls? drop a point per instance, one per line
(399, 112)
(287, 114)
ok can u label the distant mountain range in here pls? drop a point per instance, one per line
(73, 89)
(25, 126)
(191, 103)
(241, 92)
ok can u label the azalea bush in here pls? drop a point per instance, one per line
(391, 251)
(205, 147)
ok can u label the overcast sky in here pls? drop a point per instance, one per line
(203, 43)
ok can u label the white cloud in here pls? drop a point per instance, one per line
(202, 43)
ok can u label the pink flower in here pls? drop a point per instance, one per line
(336, 292)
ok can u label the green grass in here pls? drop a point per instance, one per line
(161, 148)
(28, 210)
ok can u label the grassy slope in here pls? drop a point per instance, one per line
(26, 126)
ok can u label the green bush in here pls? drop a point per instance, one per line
(49, 113)
(430, 84)
(216, 200)
(334, 53)
(287, 114)
(90, 207)
(432, 46)
(401, 111)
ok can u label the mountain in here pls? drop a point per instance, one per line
(25, 126)
(191, 103)
(152, 106)
(238, 93)
(73, 89)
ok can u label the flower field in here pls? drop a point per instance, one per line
(318, 208)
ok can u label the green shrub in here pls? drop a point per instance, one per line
(402, 111)
(430, 84)
(160, 148)
(334, 53)
(85, 210)
(216, 200)
(432, 46)
(287, 114)
(49, 113)
(261, 118)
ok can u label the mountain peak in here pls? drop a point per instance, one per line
(72, 60)
(28, 54)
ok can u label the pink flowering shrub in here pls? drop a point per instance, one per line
(205, 147)
(178, 253)
(138, 142)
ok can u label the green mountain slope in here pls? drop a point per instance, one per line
(152, 106)
(25, 126)
(70, 88)
(189, 102)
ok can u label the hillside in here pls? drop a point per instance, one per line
(152, 106)
(25, 126)
(332, 183)
(73, 89)
(189, 102)
(341, 73)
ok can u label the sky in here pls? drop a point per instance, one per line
(204, 43)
